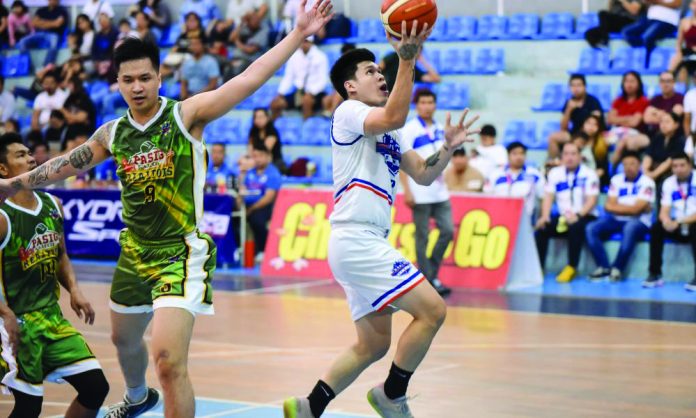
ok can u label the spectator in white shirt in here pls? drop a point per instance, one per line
(51, 98)
(517, 179)
(93, 8)
(574, 187)
(660, 22)
(677, 218)
(488, 156)
(237, 9)
(7, 102)
(628, 211)
(426, 136)
(304, 83)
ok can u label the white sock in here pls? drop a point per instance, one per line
(136, 394)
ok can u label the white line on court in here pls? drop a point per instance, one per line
(294, 286)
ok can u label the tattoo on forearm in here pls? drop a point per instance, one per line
(17, 184)
(81, 156)
(39, 175)
(57, 164)
(432, 160)
(408, 51)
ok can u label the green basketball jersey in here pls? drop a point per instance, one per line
(30, 255)
(162, 171)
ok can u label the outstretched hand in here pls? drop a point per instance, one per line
(456, 135)
(410, 45)
(310, 21)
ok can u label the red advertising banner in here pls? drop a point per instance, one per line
(486, 230)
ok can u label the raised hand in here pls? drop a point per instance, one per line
(410, 45)
(456, 135)
(310, 21)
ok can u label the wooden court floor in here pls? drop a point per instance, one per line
(262, 347)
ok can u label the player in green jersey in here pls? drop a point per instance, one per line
(164, 270)
(38, 343)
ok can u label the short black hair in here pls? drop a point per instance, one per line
(347, 47)
(260, 146)
(39, 144)
(680, 155)
(580, 135)
(124, 21)
(345, 68)
(53, 74)
(133, 48)
(5, 141)
(577, 76)
(514, 145)
(488, 130)
(424, 92)
(630, 154)
(676, 117)
(459, 152)
(570, 143)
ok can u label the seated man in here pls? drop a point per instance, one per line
(462, 177)
(52, 98)
(218, 171)
(677, 218)
(304, 83)
(629, 211)
(574, 187)
(38, 343)
(200, 72)
(517, 179)
(260, 186)
(489, 156)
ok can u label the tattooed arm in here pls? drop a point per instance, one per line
(424, 172)
(394, 113)
(81, 159)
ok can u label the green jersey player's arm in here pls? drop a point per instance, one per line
(79, 160)
(67, 279)
(7, 315)
(202, 108)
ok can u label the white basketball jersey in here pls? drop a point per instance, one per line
(365, 168)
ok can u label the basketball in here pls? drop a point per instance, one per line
(396, 11)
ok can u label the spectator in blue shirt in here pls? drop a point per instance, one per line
(218, 171)
(200, 72)
(261, 185)
(206, 10)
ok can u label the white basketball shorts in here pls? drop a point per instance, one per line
(372, 272)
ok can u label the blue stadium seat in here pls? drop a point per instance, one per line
(602, 91)
(433, 55)
(171, 89)
(489, 61)
(18, 65)
(333, 55)
(225, 130)
(547, 129)
(521, 130)
(491, 27)
(460, 28)
(97, 91)
(170, 36)
(552, 98)
(659, 60)
(439, 30)
(316, 131)
(585, 21)
(523, 26)
(453, 95)
(626, 59)
(290, 130)
(593, 61)
(456, 61)
(369, 30)
(556, 26)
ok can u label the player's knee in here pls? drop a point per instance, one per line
(373, 350)
(26, 406)
(123, 342)
(169, 366)
(436, 313)
(92, 389)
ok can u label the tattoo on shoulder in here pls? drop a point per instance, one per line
(432, 160)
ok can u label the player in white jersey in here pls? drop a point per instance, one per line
(517, 179)
(367, 156)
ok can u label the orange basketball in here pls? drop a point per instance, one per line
(396, 11)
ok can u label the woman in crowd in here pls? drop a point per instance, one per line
(83, 36)
(263, 131)
(626, 116)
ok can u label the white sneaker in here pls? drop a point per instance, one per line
(388, 408)
(259, 258)
(297, 408)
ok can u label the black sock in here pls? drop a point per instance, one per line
(320, 397)
(397, 382)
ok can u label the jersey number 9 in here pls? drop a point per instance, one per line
(149, 193)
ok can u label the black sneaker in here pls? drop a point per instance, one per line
(440, 288)
(654, 280)
(126, 409)
(691, 286)
(599, 274)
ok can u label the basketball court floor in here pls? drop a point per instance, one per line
(524, 355)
